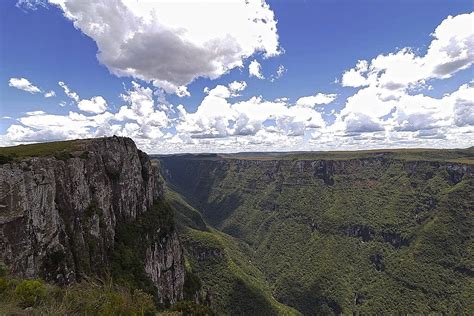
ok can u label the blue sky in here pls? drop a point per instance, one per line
(314, 43)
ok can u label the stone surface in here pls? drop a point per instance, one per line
(58, 218)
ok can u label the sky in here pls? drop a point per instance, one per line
(239, 75)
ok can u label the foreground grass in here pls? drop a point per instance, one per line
(36, 297)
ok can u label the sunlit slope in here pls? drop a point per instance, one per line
(229, 279)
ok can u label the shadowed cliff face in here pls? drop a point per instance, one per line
(59, 216)
(373, 234)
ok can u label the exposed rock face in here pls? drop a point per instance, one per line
(164, 265)
(58, 218)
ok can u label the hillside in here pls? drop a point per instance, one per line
(342, 232)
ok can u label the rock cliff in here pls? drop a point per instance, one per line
(60, 214)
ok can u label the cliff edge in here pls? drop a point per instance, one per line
(65, 213)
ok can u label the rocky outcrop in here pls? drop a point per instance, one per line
(59, 216)
(164, 265)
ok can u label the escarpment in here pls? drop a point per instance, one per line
(376, 232)
(66, 216)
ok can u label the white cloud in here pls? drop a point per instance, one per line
(282, 99)
(463, 100)
(141, 110)
(355, 77)
(317, 99)
(71, 94)
(279, 73)
(391, 107)
(255, 124)
(368, 111)
(356, 123)
(23, 84)
(159, 41)
(391, 84)
(95, 105)
(182, 91)
(31, 4)
(216, 117)
(237, 86)
(49, 94)
(138, 119)
(255, 69)
(451, 50)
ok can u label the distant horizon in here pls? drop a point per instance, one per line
(239, 76)
(380, 149)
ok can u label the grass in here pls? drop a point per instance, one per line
(35, 297)
(41, 149)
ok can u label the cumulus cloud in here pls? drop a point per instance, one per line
(94, 105)
(367, 111)
(49, 94)
(40, 126)
(158, 41)
(390, 86)
(390, 108)
(451, 50)
(237, 86)
(317, 99)
(141, 108)
(138, 118)
(355, 77)
(255, 69)
(23, 84)
(217, 117)
(361, 123)
(463, 105)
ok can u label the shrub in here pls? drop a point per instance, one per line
(62, 155)
(6, 158)
(4, 285)
(3, 270)
(30, 292)
(191, 308)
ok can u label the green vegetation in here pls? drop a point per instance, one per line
(366, 233)
(35, 297)
(230, 281)
(465, 156)
(129, 290)
(61, 150)
(132, 240)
